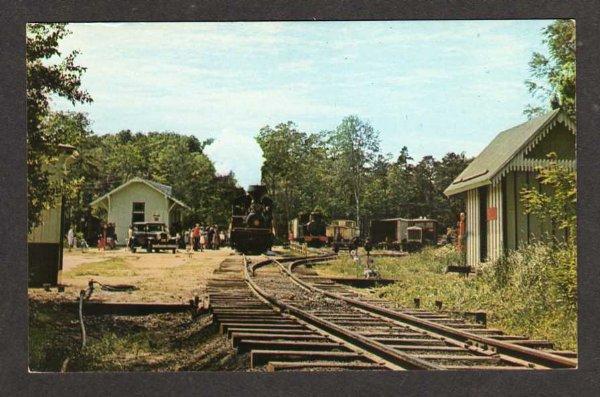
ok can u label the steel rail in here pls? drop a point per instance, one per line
(512, 350)
(378, 349)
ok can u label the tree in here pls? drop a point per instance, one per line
(560, 207)
(553, 76)
(449, 208)
(46, 77)
(292, 160)
(353, 146)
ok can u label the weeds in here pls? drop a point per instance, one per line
(531, 291)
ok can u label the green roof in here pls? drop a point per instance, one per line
(498, 153)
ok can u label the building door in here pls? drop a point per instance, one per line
(483, 193)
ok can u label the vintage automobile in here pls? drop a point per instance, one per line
(152, 236)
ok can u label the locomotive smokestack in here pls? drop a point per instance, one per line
(257, 191)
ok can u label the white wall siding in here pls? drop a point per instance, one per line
(472, 226)
(495, 241)
(121, 206)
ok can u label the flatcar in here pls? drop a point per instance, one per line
(309, 229)
(342, 234)
(251, 227)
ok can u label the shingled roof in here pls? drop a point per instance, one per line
(505, 146)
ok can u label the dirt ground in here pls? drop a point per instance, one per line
(158, 342)
(159, 277)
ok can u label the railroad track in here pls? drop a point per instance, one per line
(288, 321)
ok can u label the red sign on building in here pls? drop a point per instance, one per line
(492, 213)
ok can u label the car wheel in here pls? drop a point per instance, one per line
(174, 250)
(149, 248)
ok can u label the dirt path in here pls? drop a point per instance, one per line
(159, 277)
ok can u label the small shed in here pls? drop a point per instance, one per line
(395, 229)
(492, 182)
(139, 200)
(45, 240)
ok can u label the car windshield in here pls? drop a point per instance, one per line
(156, 227)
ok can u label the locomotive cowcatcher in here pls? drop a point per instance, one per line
(251, 225)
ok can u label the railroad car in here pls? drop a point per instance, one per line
(296, 228)
(251, 227)
(342, 234)
(405, 234)
(309, 229)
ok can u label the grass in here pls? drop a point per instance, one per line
(159, 342)
(521, 294)
(114, 267)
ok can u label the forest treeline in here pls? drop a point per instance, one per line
(107, 161)
(346, 173)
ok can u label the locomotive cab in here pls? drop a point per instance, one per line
(315, 230)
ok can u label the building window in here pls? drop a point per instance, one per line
(137, 213)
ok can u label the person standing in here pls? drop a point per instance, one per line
(202, 239)
(196, 234)
(70, 238)
(130, 237)
(209, 237)
(222, 237)
(216, 241)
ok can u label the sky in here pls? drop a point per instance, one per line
(433, 86)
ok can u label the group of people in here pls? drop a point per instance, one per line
(107, 237)
(74, 242)
(209, 237)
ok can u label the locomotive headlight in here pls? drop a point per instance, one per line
(256, 222)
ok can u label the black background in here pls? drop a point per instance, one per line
(14, 376)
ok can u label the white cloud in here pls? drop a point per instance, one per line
(235, 151)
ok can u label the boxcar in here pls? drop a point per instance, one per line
(341, 233)
(404, 233)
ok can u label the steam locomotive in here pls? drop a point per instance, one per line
(250, 230)
(309, 229)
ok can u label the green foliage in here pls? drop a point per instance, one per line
(553, 77)
(532, 291)
(48, 73)
(344, 173)
(560, 207)
(353, 147)
(292, 167)
(173, 159)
